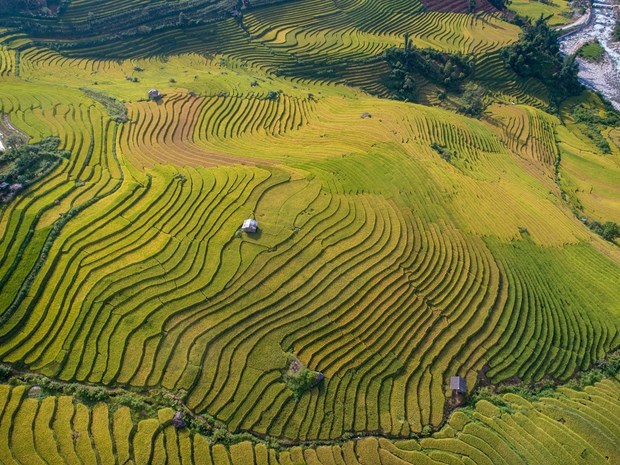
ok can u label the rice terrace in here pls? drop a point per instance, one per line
(307, 232)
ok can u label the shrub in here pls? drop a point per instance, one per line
(473, 100)
(443, 152)
(91, 394)
(300, 379)
(5, 372)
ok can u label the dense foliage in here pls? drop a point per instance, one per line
(444, 69)
(24, 164)
(537, 55)
(499, 4)
(609, 230)
(300, 379)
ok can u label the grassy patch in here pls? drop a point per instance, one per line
(592, 51)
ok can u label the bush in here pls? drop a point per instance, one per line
(610, 365)
(5, 372)
(443, 152)
(473, 100)
(91, 394)
(299, 378)
(301, 382)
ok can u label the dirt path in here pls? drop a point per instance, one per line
(580, 22)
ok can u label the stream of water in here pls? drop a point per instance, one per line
(603, 77)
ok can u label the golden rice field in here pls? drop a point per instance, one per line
(573, 427)
(377, 263)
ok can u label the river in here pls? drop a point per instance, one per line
(603, 77)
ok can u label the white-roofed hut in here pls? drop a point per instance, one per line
(250, 226)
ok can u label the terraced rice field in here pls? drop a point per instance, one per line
(164, 283)
(378, 263)
(318, 40)
(573, 428)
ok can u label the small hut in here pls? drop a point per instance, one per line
(458, 384)
(154, 94)
(249, 226)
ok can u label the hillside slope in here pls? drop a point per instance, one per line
(398, 245)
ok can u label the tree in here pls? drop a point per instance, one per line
(537, 55)
(444, 69)
(473, 100)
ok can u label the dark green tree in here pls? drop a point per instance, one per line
(537, 55)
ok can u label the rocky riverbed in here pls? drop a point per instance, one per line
(603, 77)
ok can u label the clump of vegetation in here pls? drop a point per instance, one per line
(5, 372)
(532, 391)
(91, 394)
(593, 120)
(117, 110)
(273, 95)
(537, 55)
(24, 164)
(301, 379)
(474, 103)
(443, 151)
(607, 367)
(603, 368)
(616, 34)
(609, 230)
(444, 69)
(592, 51)
(499, 4)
